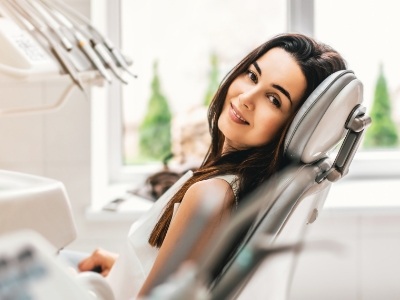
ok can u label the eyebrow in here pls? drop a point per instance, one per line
(283, 91)
(255, 64)
(276, 86)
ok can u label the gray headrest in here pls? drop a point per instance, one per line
(320, 123)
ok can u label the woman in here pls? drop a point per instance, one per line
(248, 119)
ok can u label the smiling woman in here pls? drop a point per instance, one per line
(259, 101)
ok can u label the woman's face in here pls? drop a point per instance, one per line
(261, 100)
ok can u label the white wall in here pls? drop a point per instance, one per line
(364, 263)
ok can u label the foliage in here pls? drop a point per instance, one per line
(382, 133)
(213, 82)
(155, 130)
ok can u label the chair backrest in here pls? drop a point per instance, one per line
(275, 216)
(331, 115)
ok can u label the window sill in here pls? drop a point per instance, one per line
(130, 208)
(375, 164)
(369, 196)
(364, 194)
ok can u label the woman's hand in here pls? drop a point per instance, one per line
(100, 261)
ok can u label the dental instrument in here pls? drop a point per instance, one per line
(108, 61)
(20, 12)
(86, 47)
(81, 41)
(85, 43)
(54, 26)
(116, 54)
(100, 49)
(32, 49)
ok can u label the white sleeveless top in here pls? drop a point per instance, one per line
(135, 262)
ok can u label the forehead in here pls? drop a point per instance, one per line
(280, 67)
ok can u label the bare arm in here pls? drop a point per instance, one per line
(216, 190)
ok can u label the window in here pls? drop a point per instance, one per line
(191, 42)
(182, 36)
(366, 41)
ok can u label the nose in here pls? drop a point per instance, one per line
(247, 100)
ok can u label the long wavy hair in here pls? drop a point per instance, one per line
(254, 165)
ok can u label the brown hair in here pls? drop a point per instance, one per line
(253, 166)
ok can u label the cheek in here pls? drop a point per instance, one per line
(222, 117)
(237, 87)
(228, 98)
(232, 91)
(269, 128)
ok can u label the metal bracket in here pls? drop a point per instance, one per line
(356, 124)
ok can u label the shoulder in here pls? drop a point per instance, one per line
(215, 190)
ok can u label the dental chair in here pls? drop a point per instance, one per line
(272, 222)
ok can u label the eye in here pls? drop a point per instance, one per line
(253, 77)
(274, 100)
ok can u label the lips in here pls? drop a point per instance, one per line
(236, 116)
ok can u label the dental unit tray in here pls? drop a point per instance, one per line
(43, 40)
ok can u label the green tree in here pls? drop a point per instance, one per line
(155, 130)
(213, 81)
(382, 133)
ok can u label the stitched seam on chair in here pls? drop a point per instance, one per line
(312, 105)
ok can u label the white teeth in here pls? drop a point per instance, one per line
(240, 118)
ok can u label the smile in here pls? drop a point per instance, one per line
(236, 116)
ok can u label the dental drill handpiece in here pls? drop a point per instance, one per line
(104, 54)
(52, 24)
(21, 14)
(84, 42)
(119, 58)
(116, 53)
